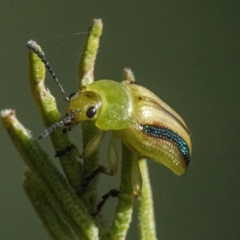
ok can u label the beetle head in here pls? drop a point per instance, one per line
(88, 105)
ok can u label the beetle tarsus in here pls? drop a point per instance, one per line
(111, 193)
(88, 178)
(70, 148)
(62, 152)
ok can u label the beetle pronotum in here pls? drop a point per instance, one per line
(144, 123)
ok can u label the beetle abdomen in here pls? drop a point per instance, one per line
(168, 135)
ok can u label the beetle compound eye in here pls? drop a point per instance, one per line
(91, 112)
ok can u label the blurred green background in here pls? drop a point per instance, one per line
(187, 52)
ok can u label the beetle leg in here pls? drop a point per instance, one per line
(93, 144)
(88, 178)
(112, 156)
(136, 177)
(62, 152)
(69, 148)
(91, 147)
(112, 163)
(76, 151)
(111, 193)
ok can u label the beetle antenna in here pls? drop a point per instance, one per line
(32, 45)
(65, 122)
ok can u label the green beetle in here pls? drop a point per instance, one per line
(144, 123)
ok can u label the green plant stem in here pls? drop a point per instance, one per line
(48, 109)
(47, 212)
(86, 77)
(123, 214)
(146, 220)
(87, 62)
(50, 179)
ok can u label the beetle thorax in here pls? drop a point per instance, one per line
(116, 105)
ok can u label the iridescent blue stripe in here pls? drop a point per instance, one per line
(169, 135)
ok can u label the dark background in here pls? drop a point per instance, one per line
(187, 52)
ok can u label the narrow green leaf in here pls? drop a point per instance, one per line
(87, 62)
(146, 220)
(123, 214)
(47, 175)
(46, 210)
(48, 109)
